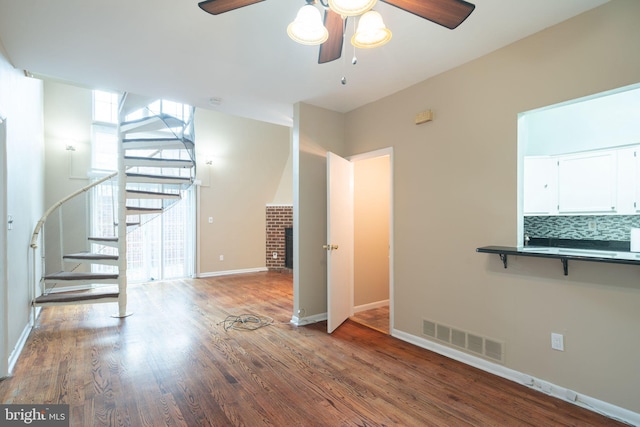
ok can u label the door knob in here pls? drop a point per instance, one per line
(330, 247)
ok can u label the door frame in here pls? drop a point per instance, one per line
(384, 152)
(4, 297)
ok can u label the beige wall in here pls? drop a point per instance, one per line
(67, 121)
(456, 189)
(21, 103)
(251, 167)
(315, 131)
(372, 196)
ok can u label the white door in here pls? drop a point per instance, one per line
(339, 245)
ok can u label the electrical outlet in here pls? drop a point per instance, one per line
(210, 220)
(275, 255)
(221, 257)
(557, 341)
(593, 226)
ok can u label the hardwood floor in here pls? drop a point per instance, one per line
(173, 363)
(376, 318)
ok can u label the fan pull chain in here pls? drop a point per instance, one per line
(354, 59)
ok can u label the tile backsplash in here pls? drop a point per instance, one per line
(592, 227)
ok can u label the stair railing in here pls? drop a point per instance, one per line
(37, 232)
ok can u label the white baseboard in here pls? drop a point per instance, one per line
(590, 403)
(371, 306)
(228, 272)
(301, 321)
(15, 353)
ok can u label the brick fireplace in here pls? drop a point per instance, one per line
(278, 219)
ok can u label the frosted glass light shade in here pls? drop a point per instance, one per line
(371, 31)
(307, 28)
(351, 7)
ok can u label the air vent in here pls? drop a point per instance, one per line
(493, 350)
(458, 338)
(476, 344)
(429, 328)
(443, 333)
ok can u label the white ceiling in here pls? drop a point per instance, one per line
(172, 49)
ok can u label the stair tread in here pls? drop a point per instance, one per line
(164, 117)
(144, 175)
(89, 255)
(159, 140)
(159, 160)
(141, 209)
(75, 296)
(74, 275)
(153, 193)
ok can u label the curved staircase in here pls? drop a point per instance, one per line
(156, 164)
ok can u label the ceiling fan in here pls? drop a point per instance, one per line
(448, 13)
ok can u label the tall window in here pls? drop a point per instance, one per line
(162, 248)
(104, 153)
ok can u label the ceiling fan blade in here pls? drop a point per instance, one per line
(216, 7)
(448, 13)
(332, 48)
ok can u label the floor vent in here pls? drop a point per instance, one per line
(429, 328)
(493, 349)
(475, 343)
(472, 343)
(458, 338)
(443, 333)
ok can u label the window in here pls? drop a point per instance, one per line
(104, 139)
(105, 107)
(104, 153)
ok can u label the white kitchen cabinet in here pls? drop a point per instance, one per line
(636, 179)
(540, 185)
(587, 182)
(628, 188)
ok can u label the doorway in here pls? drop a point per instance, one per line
(360, 239)
(372, 239)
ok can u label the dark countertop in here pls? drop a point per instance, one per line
(603, 245)
(564, 254)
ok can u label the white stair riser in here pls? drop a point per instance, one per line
(91, 301)
(155, 163)
(154, 180)
(133, 211)
(91, 261)
(104, 243)
(157, 196)
(81, 282)
(155, 144)
(150, 124)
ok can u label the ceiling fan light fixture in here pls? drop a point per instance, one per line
(307, 28)
(351, 7)
(371, 31)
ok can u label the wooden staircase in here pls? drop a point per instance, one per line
(156, 163)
